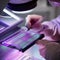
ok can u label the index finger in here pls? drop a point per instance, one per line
(35, 17)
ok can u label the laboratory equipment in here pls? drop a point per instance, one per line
(23, 39)
(22, 5)
(6, 25)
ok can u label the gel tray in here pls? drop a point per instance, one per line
(22, 40)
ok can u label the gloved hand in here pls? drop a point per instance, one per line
(48, 32)
(49, 50)
(33, 21)
(47, 28)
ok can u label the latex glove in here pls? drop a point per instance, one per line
(33, 21)
(49, 50)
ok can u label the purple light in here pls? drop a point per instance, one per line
(13, 55)
(19, 1)
(55, 3)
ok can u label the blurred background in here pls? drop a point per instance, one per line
(45, 9)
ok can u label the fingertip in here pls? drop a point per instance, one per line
(28, 25)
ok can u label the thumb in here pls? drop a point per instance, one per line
(43, 42)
